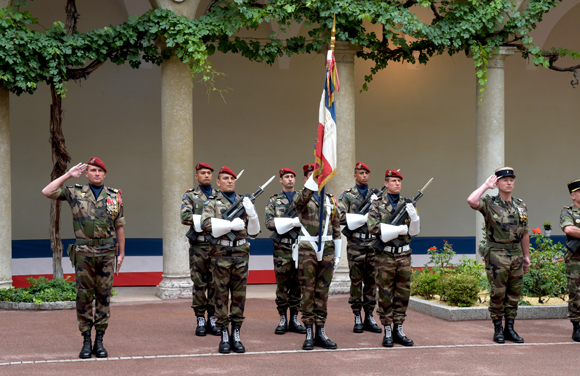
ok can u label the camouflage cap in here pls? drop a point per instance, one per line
(94, 161)
(390, 173)
(284, 171)
(362, 166)
(573, 186)
(202, 165)
(504, 172)
(227, 170)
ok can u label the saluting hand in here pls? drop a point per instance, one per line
(77, 170)
(491, 182)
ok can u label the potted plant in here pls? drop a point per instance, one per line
(547, 229)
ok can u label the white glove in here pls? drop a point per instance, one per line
(283, 225)
(220, 227)
(337, 252)
(390, 232)
(374, 197)
(354, 221)
(311, 184)
(238, 224)
(403, 229)
(249, 206)
(197, 222)
(412, 212)
(296, 222)
(336, 263)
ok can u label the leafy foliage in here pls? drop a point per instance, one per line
(461, 290)
(547, 274)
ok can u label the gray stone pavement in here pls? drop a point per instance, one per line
(150, 336)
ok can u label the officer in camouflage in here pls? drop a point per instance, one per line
(315, 269)
(570, 224)
(199, 262)
(393, 258)
(97, 216)
(229, 259)
(287, 283)
(360, 251)
(506, 254)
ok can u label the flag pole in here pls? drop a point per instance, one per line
(322, 192)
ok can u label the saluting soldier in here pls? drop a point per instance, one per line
(393, 261)
(570, 224)
(229, 259)
(199, 261)
(360, 251)
(287, 283)
(507, 253)
(97, 217)
(315, 268)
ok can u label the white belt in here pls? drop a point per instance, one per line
(363, 236)
(228, 243)
(314, 239)
(200, 239)
(287, 241)
(402, 249)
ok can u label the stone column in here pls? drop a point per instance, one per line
(344, 53)
(176, 162)
(5, 192)
(490, 132)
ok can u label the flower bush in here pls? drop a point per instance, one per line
(546, 277)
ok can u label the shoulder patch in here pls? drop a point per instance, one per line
(184, 197)
(340, 198)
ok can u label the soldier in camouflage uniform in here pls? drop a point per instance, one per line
(199, 262)
(287, 283)
(393, 258)
(97, 216)
(360, 251)
(229, 259)
(570, 224)
(315, 270)
(506, 254)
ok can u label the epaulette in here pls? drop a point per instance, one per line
(518, 200)
(78, 185)
(190, 190)
(212, 197)
(349, 190)
(113, 189)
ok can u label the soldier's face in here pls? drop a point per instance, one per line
(288, 180)
(361, 177)
(308, 175)
(393, 186)
(575, 197)
(506, 185)
(226, 183)
(204, 176)
(95, 174)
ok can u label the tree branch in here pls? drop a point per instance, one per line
(71, 16)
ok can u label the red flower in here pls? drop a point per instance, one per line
(482, 259)
(559, 260)
(433, 248)
(536, 230)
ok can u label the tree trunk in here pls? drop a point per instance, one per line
(60, 158)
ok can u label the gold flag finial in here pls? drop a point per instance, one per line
(332, 37)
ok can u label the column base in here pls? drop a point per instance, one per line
(175, 287)
(340, 282)
(6, 284)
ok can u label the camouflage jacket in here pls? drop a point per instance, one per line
(505, 223)
(192, 203)
(276, 207)
(93, 219)
(308, 210)
(381, 211)
(213, 208)
(349, 201)
(570, 217)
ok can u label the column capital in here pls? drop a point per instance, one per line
(186, 8)
(345, 52)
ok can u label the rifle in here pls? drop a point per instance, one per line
(363, 209)
(290, 212)
(573, 244)
(237, 210)
(400, 215)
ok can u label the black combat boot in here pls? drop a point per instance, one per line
(211, 326)
(322, 340)
(283, 325)
(309, 341)
(388, 338)
(294, 324)
(200, 330)
(235, 342)
(498, 332)
(86, 350)
(400, 337)
(225, 342)
(576, 331)
(370, 325)
(98, 348)
(509, 333)
(358, 324)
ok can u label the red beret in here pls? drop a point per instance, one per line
(362, 166)
(94, 161)
(284, 171)
(227, 170)
(393, 174)
(199, 166)
(308, 167)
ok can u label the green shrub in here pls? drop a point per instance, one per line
(460, 289)
(424, 283)
(547, 274)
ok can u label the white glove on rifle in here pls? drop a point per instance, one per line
(238, 224)
(374, 197)
(354, 221)
(311, 184)
(249, 206)
(296, 222)
(390, 232)
(283, 225)
(220, 227)
(414, 226)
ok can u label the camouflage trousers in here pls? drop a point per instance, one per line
(203, 287)
(287, 282)
(230, 275)
(361, 265)
(573, 278)
(505, 273)
(394, 283)
(315, 278)
(94, 278)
